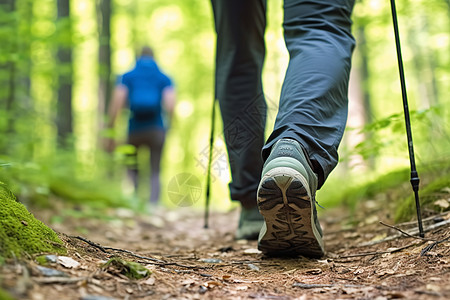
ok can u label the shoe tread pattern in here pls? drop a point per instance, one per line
(286, 207)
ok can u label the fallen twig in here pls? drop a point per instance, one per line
(316, 285)
(407, 234)
(90, 243)
(431, 218)
(151, 259)
(137, 255)
(377, 252)
(165, 264)
(416, 231)
(105, 248)
(431, 246)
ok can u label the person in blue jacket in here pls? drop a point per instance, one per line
(150, 97)
(277, 189)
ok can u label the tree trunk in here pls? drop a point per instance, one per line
(24, 69)
(9, 67)
(64, 105)
(364, 56)
(104, 57)
(360, 109)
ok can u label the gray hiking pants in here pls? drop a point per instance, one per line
(153, 139)
(313, 100)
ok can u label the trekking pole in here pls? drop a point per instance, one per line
(208, 171)
(414, 175)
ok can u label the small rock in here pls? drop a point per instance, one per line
(433, 288)
(67, 262)
(252, 251)
(202, 289)
(438, 219)
(96, 297)
(211, 260)
(226, 249)
(313, 271)
(51, 258)
(253, 267)
(49, 272)
(149, 281)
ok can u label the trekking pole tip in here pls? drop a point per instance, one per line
(419, 214)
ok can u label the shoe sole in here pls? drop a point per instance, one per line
(284, 200)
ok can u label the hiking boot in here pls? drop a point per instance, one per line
(250, 224)
(286, 200)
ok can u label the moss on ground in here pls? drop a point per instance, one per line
(5, 295)
(395, 186)
(351, 196)
(20, 232)
(428, 195)
(132, 270)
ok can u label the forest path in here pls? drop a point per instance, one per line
(190, 262)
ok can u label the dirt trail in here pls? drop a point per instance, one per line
(189, 262)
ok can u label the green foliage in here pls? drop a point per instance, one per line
(37, 183)
(85, 192)
(21, 233)
(27, 181)
(391, 131)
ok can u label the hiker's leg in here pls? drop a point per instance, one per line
(156, 143)
(132, 171)
(313, 102)
(132, 162)
(240, 27)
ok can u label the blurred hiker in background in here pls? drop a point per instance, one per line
(301, 151)
(150, 97)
